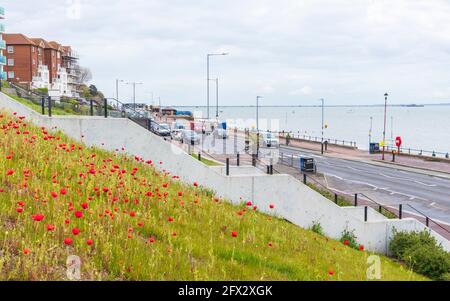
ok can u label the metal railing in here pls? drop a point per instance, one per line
(330, 141)
(418, 152)
(366, 201)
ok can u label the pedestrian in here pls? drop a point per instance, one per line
(288, 139)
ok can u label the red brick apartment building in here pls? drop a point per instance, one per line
(36, 63)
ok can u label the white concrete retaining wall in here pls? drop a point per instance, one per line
(293, 201)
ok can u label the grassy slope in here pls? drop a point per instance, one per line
(144, 246)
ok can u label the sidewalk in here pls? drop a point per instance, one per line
(424, 164)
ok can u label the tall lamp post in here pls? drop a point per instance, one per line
(117, 91)
(216, 82)
(323, 123)
(257, 124)
(384, 129)
(370, 130)
(208, 79)
(134, 92)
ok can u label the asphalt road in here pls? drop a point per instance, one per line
(387, 185)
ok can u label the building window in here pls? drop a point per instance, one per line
(10, 62)
(11, 74)
(59, 55)
(34, 62)
(32, 48)
(10, 49)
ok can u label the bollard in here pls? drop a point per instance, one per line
(356, 199)
(199, 156)
(43, 105)
(238, 159)
(393, 156)
(49, 106)
(253, 160)
(335, 198)
(400, 213)
(228, 166)
(268, 169)
(365, 213)
(304, 179)
(271, 169)
(105, 105)
(427, 221)
(91, 107)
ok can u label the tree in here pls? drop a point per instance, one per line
(85, 75)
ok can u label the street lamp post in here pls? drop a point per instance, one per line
(370, 130)
(134, 92)
(323, 122)
(208, 79)
(117, 91)
(257, 124)
(384, 129)
(217, 98)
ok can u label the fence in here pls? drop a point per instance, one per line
(418, 152)
(361, 199)
(331, 141)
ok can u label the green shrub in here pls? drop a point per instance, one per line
(402, 241)
(317, 228)
(421, 252)
(349, 238)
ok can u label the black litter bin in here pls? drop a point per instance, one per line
(374, 148)
(307, 164)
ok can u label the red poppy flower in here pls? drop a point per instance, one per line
(174, 234)
(271, 206)
(140, 224)
(67, 221)
(85, 205)
(50, 227)
(78, 214)
(132, 214)
(170, 219)
(195, 184)
(21, 203)
(26, 251)
(89, 242)
(270, 244)
(346, 242)
(10, 172)
(105, 189)
(63, 191)
(151, 240)
(68, 241)
(234, 234)
(38, 217)
(255, 208)
(76, 231)
(248, 204)
(180, 193)
(19, 210)
(361, 247)
(331, 272)
(54, 195)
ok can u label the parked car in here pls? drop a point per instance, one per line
(190, 137)
(176, 134)
(162, 129)
(269, 139)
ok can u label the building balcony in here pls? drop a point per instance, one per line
(3, 76)
(2, 44)
(2, 28)
(2, 13)
(2, 60)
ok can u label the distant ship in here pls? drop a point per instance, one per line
(415, 106)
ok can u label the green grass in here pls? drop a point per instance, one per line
(144, 223)
(206, 161)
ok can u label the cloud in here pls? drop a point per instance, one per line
(349, 51)
(306, 90)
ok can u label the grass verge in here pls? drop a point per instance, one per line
(128, 219)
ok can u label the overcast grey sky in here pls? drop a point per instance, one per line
(290, 51)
